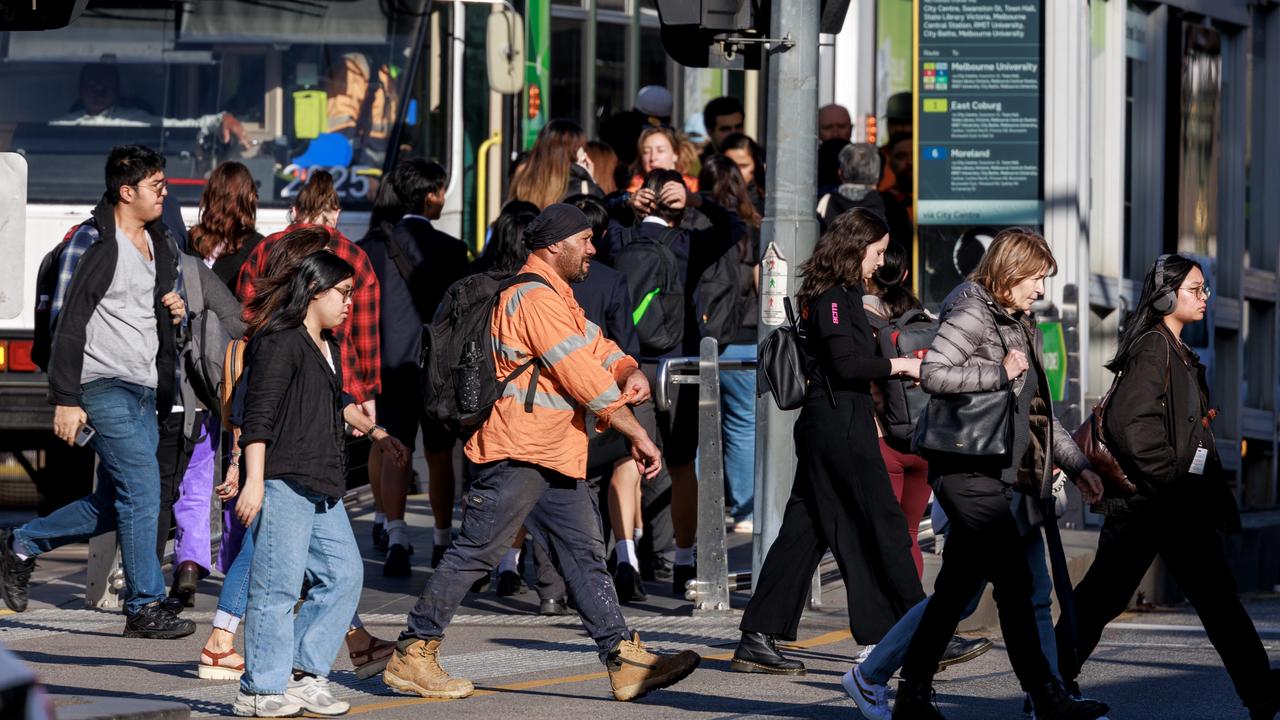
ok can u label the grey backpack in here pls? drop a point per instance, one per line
(203, 350)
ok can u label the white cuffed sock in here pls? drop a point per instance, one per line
(224, 620)
(442, 537)
(627, 552)
(397, 533)
(509, 560)
(685, 556)
(379, 518)
(639, 533)
(18, 548)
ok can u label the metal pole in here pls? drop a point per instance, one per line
(791, 229)
(588, 117)
(711, 594)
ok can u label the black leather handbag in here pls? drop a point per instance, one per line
(783, 369)
(976, 424)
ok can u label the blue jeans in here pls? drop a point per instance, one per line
(885, 660)
(300, 534)
(127, 496)
(738, 404)
(234, 597)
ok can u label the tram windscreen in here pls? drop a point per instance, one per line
(282, 86)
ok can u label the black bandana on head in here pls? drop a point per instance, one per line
(557, 222)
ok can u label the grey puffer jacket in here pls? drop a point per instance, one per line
(967, 356)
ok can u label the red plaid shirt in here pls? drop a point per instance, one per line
(358, 336)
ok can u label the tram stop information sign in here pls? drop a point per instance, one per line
(979, 84)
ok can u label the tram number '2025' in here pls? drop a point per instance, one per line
(349, 182)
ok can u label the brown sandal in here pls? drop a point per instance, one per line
(373, 659)
(215, 669)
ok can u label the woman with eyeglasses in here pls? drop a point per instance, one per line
(294, 478)
(1158, 427)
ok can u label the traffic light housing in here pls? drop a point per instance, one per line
(39, 14)
(728, 33)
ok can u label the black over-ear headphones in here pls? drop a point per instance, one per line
(1165, 298)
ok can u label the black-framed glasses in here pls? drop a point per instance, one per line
(346, 292)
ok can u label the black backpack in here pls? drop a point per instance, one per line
(459, 376)
(718, 299)
(46, 288)
(909, 336)
(653, 280)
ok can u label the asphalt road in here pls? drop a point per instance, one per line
(1151, 665)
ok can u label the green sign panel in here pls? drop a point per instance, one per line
(1053, 355)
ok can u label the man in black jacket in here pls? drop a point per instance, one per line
(112, 366)
(415, 264)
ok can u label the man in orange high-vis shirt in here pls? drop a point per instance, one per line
(530, 464)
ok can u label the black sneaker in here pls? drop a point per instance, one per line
(554, 606)
(680, 577)
(509, 583)
(397, 562)
(437, 554)
(380, 537)
(655, 567)
(173, 605)
(916, 702)
(482, 584)
(627, 582)
(15, 573)
(155, 623)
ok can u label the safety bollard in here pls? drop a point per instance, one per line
(709, 591)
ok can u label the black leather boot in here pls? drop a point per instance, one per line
(758, 653)
(1052, 702)
(915, 702)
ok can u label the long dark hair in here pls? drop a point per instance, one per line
(738, 141)
(1145, 317)
(287, 307)
(721, 178)
(228, 211)
(895, 297)
(838, 258)
(505, 252)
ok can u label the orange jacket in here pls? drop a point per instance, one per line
(580, 369)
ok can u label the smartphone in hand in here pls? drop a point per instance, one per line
(84, 435)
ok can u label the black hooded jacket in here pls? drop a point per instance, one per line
(89, 283)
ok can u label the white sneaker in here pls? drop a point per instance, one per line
(312, 693)
(872, 699)
(268, 706)
(863, 654)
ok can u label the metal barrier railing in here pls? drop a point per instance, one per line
(710, 590)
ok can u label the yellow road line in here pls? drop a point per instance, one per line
(824, 639)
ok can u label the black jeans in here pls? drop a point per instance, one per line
(559, 514)
(983, 544)
(550, 583)
(1193, 553)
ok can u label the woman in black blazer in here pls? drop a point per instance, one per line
(842, 498)
(1157, 426)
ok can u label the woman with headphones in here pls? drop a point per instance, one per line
(1157, 425)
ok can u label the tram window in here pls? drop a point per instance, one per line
(224, 81)
(617, 5)
(611, 70)
(566, 59)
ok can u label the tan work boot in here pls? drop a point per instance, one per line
(634, 671)
(415, 669)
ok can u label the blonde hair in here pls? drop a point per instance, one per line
(1015, 255)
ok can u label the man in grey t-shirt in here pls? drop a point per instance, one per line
(111, 365)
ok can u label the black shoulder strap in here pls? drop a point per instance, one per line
(524, 278)
(397, 257)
